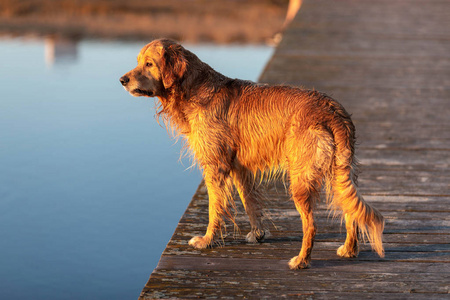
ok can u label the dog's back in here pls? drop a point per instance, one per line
(264, 116)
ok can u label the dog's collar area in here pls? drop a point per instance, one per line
(143, 92)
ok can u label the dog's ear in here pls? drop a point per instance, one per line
(173, 64)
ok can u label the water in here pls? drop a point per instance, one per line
(91, 187)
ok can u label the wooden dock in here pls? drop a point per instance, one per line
(388, 63)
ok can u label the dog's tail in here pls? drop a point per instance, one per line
(343, 182)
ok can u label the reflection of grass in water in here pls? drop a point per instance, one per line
(196, 20)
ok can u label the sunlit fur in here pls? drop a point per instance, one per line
(238, 130)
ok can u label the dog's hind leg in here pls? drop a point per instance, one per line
(250, 197)
(309, 158)
(304, 201)
(350, 248)
(219, 185)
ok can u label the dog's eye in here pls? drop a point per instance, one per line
(149, 64)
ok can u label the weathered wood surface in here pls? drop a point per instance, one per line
(388, 63)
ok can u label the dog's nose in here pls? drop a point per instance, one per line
(124, 80)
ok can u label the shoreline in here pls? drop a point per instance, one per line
(220, 22)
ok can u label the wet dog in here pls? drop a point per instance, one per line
(239, 130)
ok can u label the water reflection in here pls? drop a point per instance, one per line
(60, 50)
(91, 188)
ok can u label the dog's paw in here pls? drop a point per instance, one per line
(199, 242)
(255, 236)
(298, 263)
(343, 251)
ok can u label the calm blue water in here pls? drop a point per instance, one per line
(91, 187)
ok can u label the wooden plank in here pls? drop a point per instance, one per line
(320, 285)
(310, 275)
(338, 265)
(287, 247)
(236, 292)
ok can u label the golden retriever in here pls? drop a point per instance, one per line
(239, 130)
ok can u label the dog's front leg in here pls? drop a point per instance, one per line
(219, 185)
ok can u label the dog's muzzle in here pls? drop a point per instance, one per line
(124, 80)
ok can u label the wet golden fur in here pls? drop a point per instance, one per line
(238, 129)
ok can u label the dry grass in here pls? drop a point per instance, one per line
(219, 21)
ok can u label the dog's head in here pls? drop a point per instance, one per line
(161, 64)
